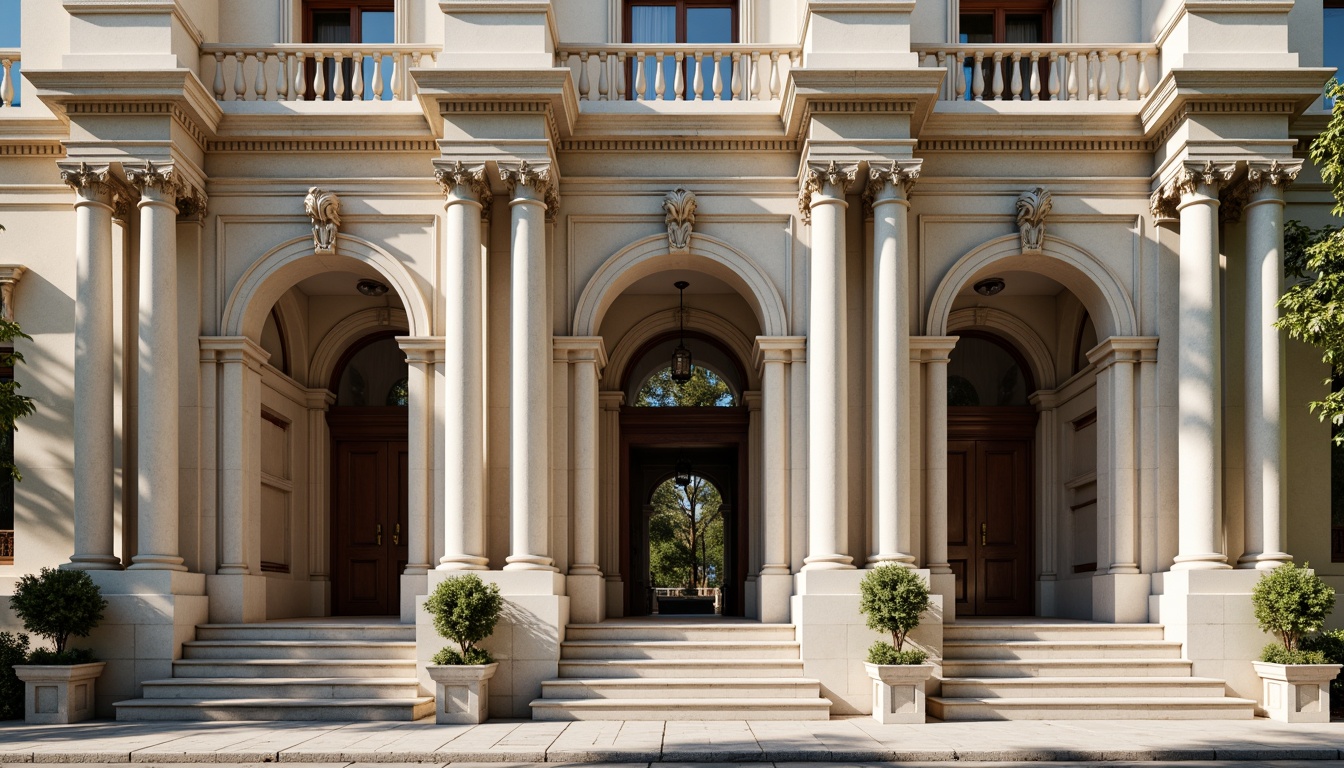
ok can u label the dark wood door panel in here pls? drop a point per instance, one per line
(989, 520)
(369, 510)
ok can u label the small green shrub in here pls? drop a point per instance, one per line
(13, 650)
(883, 652)
(56, 604)
(893, 598)
(1275, 653)
(68, 656)
(1331, 643)
(1291, 602)
(465, 610)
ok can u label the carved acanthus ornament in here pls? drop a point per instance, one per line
(900, 175)
(465, 182)
(1187, 181)
(1032, 208)
(830, 179)
(89, 181)
(324, 208)
(537, 178)
(1273, 174)
(191, 205)
(679, 205)
(163, 179)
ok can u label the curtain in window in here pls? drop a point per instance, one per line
(655, 24)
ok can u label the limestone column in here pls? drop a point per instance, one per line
(240, 361)
(1199, 369)
(935, 354)
(823, 197)
(609, 531)
(530, 194)
(1047, 497)
(775, 584)
(420, 354)
(157, 416)
(1116, 359)
(888, 190)
(463, 400)
(586, 586)
(1265, 364)
(93, 420)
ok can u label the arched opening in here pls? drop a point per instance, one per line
(686, 543)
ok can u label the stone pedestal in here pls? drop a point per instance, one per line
(1210, 612)
(1121, 598)
(898, 691)
(236, 598)
(58, 694)
(1295, 693)
(461, 693)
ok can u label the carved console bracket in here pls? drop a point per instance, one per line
(680, 208)
(1032, 208)
(324, 208)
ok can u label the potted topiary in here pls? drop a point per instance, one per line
(1293, 603)
(58, 682)
(894, 598)
(465, 610)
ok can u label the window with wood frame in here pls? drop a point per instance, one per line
(1332, 52)
(1005, 22)
(682, 22)
(340, 23)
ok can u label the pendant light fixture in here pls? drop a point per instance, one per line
(682, 367)
(683, 473)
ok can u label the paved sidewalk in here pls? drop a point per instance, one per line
(856, 740)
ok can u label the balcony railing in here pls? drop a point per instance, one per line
(710, 72)
(312, 72)
(1043, 72)
(9, 60)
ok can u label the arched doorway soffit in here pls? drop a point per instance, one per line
(1095, 285)
(623, 354)
(706, 254)
(285, 265)
(1013, 330)
(346, 332)
(294, 332)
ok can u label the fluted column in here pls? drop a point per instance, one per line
(530, 194)
(157, 497)
(420, 353)
(823, 197)
(1265, 364)
(463, 399)
(935, 352)
(888, 190)
(93, 421)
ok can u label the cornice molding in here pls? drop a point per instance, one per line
(179, 115)
(32, 149)
(323, 145)
(1033, 145)
(680, 145)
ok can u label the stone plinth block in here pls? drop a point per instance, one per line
(461, 692)
(898, 691)
(1296, 693)
(59, 693)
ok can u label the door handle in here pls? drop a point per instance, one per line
(984, 537)
(396, 534)
(380, 534)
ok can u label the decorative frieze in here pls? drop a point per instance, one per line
(680, 208)
(324, 208)
(824, 178)
(1032, 208)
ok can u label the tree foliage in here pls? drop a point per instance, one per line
(13, 650)
(686, 535)
(893, 598)
(465, 610)
(56, 604)
(704, 390)
(1291, 602)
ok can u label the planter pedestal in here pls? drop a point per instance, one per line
(462, 692)
(1296, 693)
(58, 693)
(898, 691)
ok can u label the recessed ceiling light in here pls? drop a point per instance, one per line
(990, 286)
(371, 287)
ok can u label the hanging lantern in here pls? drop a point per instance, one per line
(682, 367)
(683, 473)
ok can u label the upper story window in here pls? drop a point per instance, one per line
(1332, 53)
(342, 22)
(682, 22)
(1004, 22)
(9, 41)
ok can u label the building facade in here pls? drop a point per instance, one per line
(333, 300)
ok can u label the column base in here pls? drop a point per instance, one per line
(236, 598)
(529, 563)
(774, 594)
(828, 563)
(462, 563)
(1212, 561)
(587, 597)
(156, 563)
(875, 561)
(1264, 561)
(1210, 613)
(1121, 598)
(92, 563)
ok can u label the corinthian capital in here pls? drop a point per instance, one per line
(1272, 174)
(829, 179)
(89, 180)
(466, 182)
(899, 174)
(160, 178)
(527, 181)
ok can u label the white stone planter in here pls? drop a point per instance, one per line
(898, 691)
(462, 692)
(1296, 693)
(58, 693)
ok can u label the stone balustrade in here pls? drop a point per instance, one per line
(1044, 72)
(711, 72)
(309, 72)
(9, 58)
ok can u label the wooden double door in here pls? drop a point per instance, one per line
(990, 500)
(370, 470)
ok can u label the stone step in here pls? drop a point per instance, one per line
(299, 630)
(1119, 708)
(666, 649)
(978, 668)
(681, 709)
(1060, 649)
(1095, 687)
(675, 690)
(297, 649)
(674, 668)
(1088, 631)
(403, 709)
(283, 687)
(267, 668)
(613, 631)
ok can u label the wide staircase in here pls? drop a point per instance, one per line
(1055, 670)
(290, 670)
(680, 669)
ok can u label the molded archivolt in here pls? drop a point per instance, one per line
(623, 354)
(1095, 285)
(279, 270)
(347, 332)
(707, 254)
(1011, 328)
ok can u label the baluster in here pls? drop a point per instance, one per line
(736, 84)
(7, 83)
(679, 77)
(259, 85)
(398, 66)
(1073, 76)
(239, 84)
(1052, 85)
(1017, 76)
(620, 76)
(960, 82)
(219, 75)
(319, 77)
(357, 80)
(282, 64)
(1143, 74)
(698, 83)
(1092, 76)
(640, 78)
(774, 75)
(584, 85)
(718, 76)
(941, 63)
(1035, 76)
(659, 79)
(377, 83)
(1103, 78)
(978, 77)
(998, 76)
(338, 77)
(930, 60)
(1122, 87)
(300, 76)
(755, 75)
(603, 89)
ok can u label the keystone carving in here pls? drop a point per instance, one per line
(324, 208)
(680, 208)
(1032, 208)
